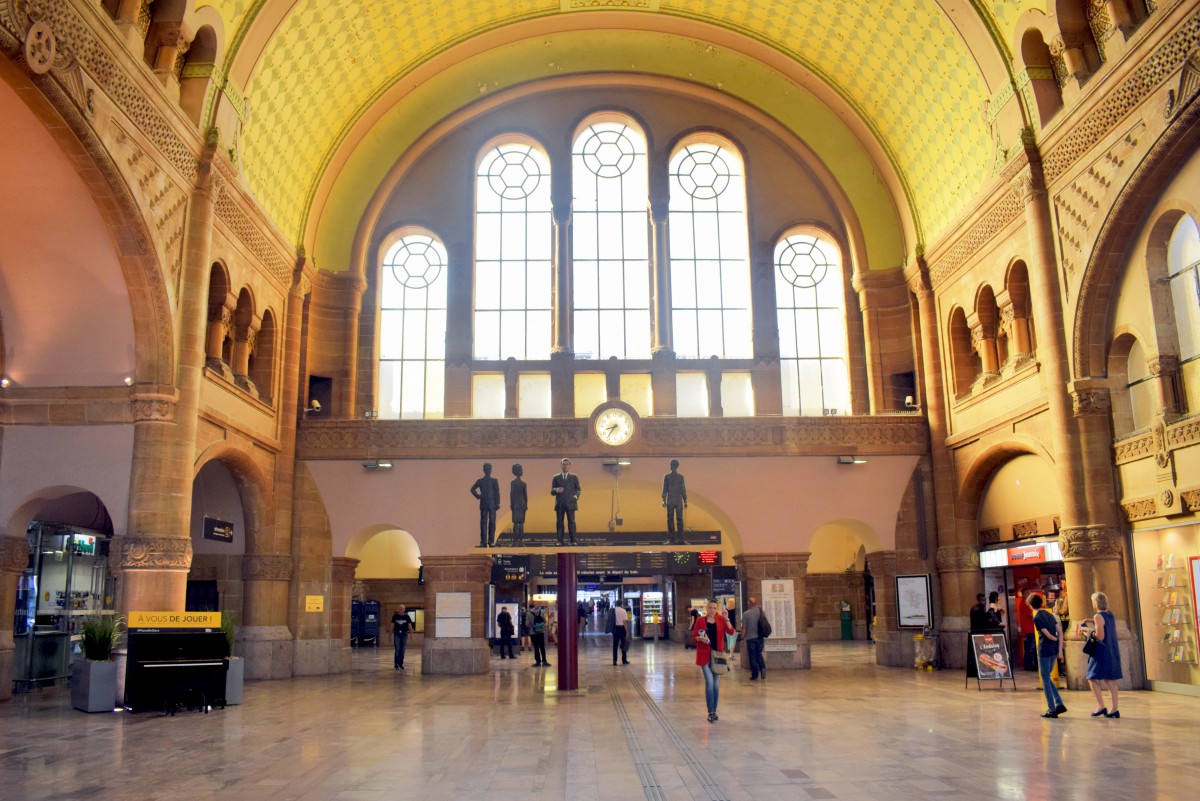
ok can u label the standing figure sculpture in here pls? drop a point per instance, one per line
(674, 500)
(518, 502)
(565, 489)
(487, 490)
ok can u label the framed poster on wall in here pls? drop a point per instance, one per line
(914, 607)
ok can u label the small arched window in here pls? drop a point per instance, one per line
(610, 241)
(1183, 261)
(710, 252)
(810, 298)
(513, 240)
(412, 327)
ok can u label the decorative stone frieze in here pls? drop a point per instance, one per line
(14, 554)
(1090, 542)
(150, 553)
(1190, 500)
(1141, 509)
(956, 558)
(987, 536)
(153, 407)
(267, 567)
(1025, 529)
(1187, 87)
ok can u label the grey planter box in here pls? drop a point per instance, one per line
(235, 674)
(94, 686)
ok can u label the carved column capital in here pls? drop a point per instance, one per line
(1163, 364)
(266, 567)
(1023, 184)
(1089, 402)
(1089, 542)
(342, 570)
(150, 553)
(14, 554)
(153, 407)
(957, 558)
(882, 563)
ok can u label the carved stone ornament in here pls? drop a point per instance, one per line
(40, 48)
(1162, 455)
(882, 564)
(342, 570)
(1089, 403)
(152, 408)
(1166, 499)
(1190, 500)
(957, 557)
(267, 567)
(1090, 542)
(1141, 509)
(14, 554)
(150, 553)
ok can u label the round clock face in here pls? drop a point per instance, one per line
(614, 426)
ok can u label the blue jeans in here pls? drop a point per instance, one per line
(754, 654)
(399, 641)
(1045, 667)
(712, 689)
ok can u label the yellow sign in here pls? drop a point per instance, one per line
(314, 603)
(174, 620)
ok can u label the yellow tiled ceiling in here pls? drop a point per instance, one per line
(899, 62)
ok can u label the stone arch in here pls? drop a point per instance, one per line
(254, 485)
(969, 494)
(28, 509)
(385, 551)
(841, 544)
(1109, 257)
(987, 341)
(197, 75)
(964, 362)
(262, 358)
(1126, 367)
(1043, 94)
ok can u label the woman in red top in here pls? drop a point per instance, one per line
(708, 632)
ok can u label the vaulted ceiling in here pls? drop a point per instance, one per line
(889, 96)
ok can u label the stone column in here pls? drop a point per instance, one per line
(660, 270)
(1092, 556)
(14, 559)
(562, 375)
(765, 375)
(892, 648)
(264, 638)
(960, 580)
(341, 592)
(220, 320)
(1165, 369)
(456, 655)
(757, 569)
(243, 346)
(568, 623)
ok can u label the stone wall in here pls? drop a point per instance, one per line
(826, 592)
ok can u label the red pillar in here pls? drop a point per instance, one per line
(568, 624)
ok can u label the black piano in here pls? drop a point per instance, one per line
(174, 669)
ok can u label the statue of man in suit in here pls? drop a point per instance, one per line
(565, 489)
(674, 499)
(518, 502)
(487, 490)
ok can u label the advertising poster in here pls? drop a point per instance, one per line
(990, 652)
(914, 607)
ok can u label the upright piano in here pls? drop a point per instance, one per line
(172, 669)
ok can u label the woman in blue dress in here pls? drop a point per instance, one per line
(1104, 665)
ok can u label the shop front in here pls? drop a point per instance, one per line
(1167, 570)
(1014, 572)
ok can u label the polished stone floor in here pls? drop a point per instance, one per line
(847, 729)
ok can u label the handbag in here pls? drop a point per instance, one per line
(1091, 644)
(718, 664)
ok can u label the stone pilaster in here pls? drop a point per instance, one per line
(960, 581)
(456, 655)
(757, 569)
(264, 639)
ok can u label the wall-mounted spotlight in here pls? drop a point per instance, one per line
(378, 464)
(5, 383)
(852, 460)
(129, 381)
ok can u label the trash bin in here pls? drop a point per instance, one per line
(847, 622)
(925, 649)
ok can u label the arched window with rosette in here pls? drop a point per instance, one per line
(513, 241)
(810, 298)
(1183, 271)
(610, 240)
(412, 326)
(710, 251)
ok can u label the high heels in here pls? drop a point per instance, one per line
(1102, 712)
(1116, 713)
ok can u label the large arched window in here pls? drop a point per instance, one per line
(610, 235)
(513, 240)
(812, 326)
(710, 254)
(412, 327)
(1183, 265)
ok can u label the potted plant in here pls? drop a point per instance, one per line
(235, 666)
(94, 678)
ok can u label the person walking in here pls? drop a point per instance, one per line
(709, 636)
(752, 636)
(1104, 664)
(1049, 642)
(618, 618)
(402, 625)
(505, 623)
(536, 623)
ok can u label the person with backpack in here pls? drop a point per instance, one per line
(755, 629)
(535, 621)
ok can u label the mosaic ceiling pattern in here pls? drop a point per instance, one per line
(900, 63)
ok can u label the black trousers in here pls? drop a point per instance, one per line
(675, 523)
(506, 646)
(487, 527)
(539, 648)
(620, 640)
(560, 513)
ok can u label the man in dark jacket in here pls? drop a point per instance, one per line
(487, 490)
